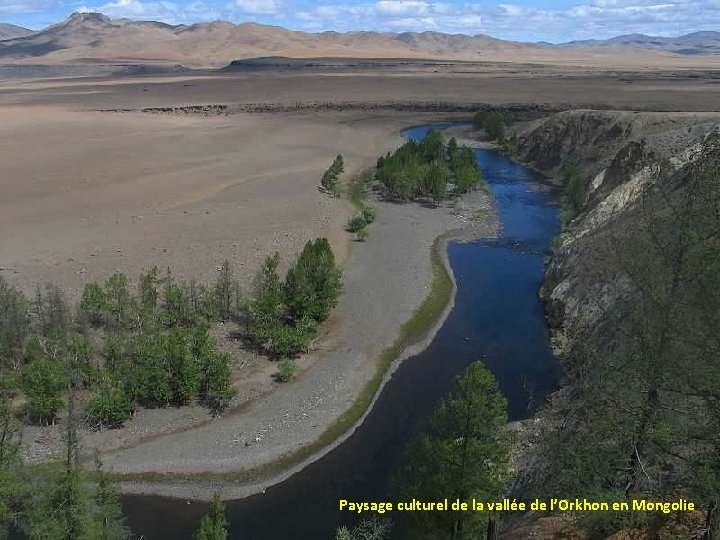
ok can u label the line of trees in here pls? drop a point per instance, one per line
(428, 169)
(330, 180)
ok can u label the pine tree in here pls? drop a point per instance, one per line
(223, 292)
(14, 324)
(462, 454)
(214, 525)
(108, 519)
(43, 383)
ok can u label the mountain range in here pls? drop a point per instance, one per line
(689, 44)
(95, 38)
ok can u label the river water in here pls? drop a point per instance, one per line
(497, 318)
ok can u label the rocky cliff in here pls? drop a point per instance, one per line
(621, 158)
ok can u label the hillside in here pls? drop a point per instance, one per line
(10, 31)
(697, 43)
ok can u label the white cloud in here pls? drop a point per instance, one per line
(169, 12)
(17, 7)
(258, 7)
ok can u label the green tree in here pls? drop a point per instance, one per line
(215, 386)
(146, 378)
(462, 454)
(14, 324)
(148, 289)
(432, 146)
(107, 516)
(43, 383)
(224, 292)
(119, 299)
(94, 304)
(338, 166)
(493, 122)
(79, 359)
(329, 178)
(214, 525)
(182, 367)
(51, 311)
(177, 305)
(452, 149)
(109, 405)
(313, 283)
(15, 488)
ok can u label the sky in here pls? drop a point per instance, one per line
(521, 20)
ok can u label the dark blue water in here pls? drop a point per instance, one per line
(497, 318)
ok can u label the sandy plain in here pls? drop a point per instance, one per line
(86, 193)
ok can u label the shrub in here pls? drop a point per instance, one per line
(362, 234)
(109, 406)
(286, 370)
(356, 223)
(369, 214)
(574, 188)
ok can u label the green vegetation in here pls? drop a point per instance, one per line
(330, 178)
(283, 316)
(356, 223)
(57, 502)
(426, 169)
(359, 222)
(493, 122)
(286, 370)
(574, 189)
(374, 528)
(214, 525)
(43, 383)
(152, 346)
(462, 453)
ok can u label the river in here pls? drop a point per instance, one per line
(497, 318)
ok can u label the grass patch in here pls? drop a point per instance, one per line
(357, 188)
(411, 332)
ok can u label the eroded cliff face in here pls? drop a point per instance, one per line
(632, 271)
(621, 156)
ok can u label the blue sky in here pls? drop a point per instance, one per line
(524, 20)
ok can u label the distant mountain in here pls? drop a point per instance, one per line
(701, 43)
(93, 38)
(10, 31)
